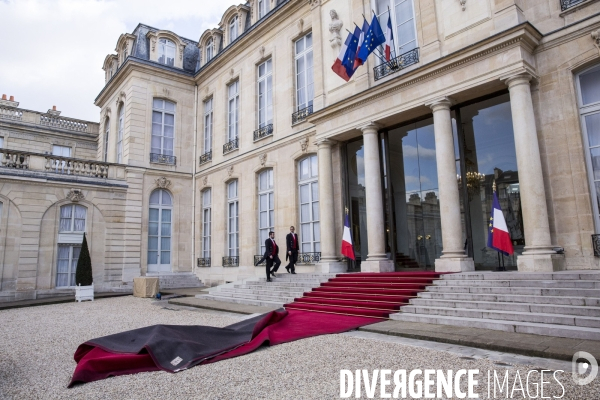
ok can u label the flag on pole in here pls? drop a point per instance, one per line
(347, 246)
(361, 39)
(374, 38)
(389, 39)
(498, 235)
(344, 64)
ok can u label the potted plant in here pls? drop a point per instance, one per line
(83, 274)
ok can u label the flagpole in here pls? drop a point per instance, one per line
(393, 39)
(378, 56)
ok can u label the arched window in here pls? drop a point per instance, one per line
(159, 231)
(70, 236)
(232, 219)
(308, 187)
(120, 134)
(163, 127)
(266, 201)
(166, 52)
(589, 110)
(209, 50)
(106, 132)
(233, 29)
(206, 223)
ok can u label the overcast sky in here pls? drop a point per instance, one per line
(52, 51)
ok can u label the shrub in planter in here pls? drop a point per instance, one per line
(83, 273)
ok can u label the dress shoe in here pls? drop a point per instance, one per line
(269, 280)
(287, 269)
(273, 273)
(293, 272)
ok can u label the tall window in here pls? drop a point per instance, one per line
(210, 49)
(266, 207)
(308, 186)
(263, 8)
(233, 29)
(166, 52)
(120, 134)
(163, 127)
(232, 219)
(106, 132)
(206, 223)
(208, 125)
(233, 110)
(589, 109)
(403, 22)
(304, 72)
(265, 94)
(61, 151)
(159, 231)
(70, 236)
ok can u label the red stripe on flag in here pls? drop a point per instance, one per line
(339, 69)
(501, 241)
(348, 250)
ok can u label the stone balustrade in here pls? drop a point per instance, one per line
(50, 164)
(47, 120)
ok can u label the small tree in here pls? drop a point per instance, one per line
(83, 273)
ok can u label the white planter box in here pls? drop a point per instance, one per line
(84, 293)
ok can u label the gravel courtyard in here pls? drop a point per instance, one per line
(37, 346)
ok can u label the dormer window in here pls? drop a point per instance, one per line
(209, 50)
(233, 29)
(263, 8)
(166, 52)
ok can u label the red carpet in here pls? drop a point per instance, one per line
(346, 302)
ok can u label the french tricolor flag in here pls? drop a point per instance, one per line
(389, 40)
(498, 235)
(347, 247)
(365, 28)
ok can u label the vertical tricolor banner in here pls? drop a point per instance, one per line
(347, 246)
(389, 39)
(498, 235)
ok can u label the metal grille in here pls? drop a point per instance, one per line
(263, 132)
(231, 261)
(230, 146)
(204, 262)
(206, 157)
(301, 115)
(566, 4)
(396, 64)
(596, 245)
(162, 159)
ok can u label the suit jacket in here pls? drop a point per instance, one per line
(289, 241)
(269, 248)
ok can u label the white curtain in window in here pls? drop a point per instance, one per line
(62, 272)
(265, 94)
(304, 72)
(65, 218)
(80, 214)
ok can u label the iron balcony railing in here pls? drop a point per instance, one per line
(303, 258)
(206, 157)
(204, 262)
(396, 64)
(163, 159)
(301, 115)
(263, 132)
(596, 245)
(231, 261)
(566, 4)
(230, 146)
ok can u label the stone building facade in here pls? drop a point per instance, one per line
(248, 130)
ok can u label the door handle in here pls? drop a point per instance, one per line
(427, 237)
(419, 237)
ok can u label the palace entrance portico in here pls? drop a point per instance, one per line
(419, 191)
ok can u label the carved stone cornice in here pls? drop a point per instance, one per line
(304, 144)
(596, 37)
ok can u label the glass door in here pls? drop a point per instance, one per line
(159, 231)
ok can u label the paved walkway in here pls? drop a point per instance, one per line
(55, 300)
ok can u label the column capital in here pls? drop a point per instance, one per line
(519, 78)
(440, 103)
(325, 142)
(369, 127)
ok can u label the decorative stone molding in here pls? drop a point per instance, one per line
(120, 99)
(153, 43)
(263, 159)
(231, 72)
(163, 183)
(205, 180)
(181, 49)
(596, 37)
(304, 144)
(440, 102)
(230, 170)
(301, 24)
(75, 195)
(325, 143)
(335, 27)
(166, 92)
(314, 3)
(369, 127)
(261, 51)
(463, 4)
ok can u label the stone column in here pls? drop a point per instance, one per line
(329, 255)
(453, 257)
(538, 254)
(376, 259)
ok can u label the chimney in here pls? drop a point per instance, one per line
(53, 108)
(9, 103)
(54, 112)
(12, 98)
(3, 97)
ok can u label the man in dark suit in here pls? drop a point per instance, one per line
(271, 254)
(293, 246)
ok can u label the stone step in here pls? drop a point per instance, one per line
(561, 284)
(541, 318)
(532, 291)
(253, 302)
(575, 332)
(533, 276)
(583, 311)
(283, 293)
(283, 299)
(511, 298)
(277, 283)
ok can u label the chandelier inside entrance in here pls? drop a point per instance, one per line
(474, 181)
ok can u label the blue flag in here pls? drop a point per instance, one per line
(374, 38)
(350, 56)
